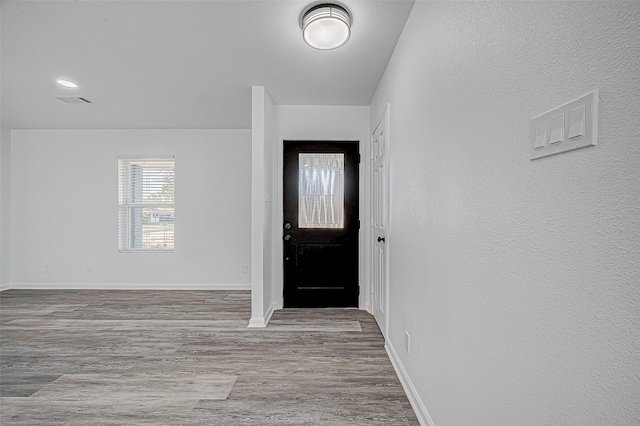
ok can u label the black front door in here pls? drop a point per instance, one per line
(320, 229)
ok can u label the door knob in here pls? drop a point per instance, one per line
(287, 225)
(381, 239)
(287, 237)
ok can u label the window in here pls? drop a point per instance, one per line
(146, 209)
(321, 191)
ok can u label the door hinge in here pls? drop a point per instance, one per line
(358, 223)
(359, 158)
(358, 290)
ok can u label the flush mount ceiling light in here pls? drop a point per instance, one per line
(326, 26)
(66, 83)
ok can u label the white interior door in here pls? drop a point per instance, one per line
(379, 223)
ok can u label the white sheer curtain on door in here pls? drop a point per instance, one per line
(321, 191)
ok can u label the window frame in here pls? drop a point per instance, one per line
(125, 207)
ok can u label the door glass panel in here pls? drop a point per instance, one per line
(321, 191)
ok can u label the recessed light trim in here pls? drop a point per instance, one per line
(66, 83)
(326, 26)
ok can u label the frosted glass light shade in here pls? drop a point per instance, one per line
(326, 26)
(66, 83)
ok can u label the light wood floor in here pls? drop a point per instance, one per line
(187, 358)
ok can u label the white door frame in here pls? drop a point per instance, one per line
(278, 217)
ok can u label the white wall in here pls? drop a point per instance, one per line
(64, 199)
(517, 280)
(269, 230)
(5, 205)
(262, 145)
(313, 122)
(5, 208)
(318, 122)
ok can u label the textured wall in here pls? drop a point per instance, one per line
(5, 208)
(268, 224)
(317, 122)
(64, 209)
(263, 137)
(518, 280)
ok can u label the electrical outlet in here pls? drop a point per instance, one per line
(245, 269)
(88, 267)
(407, 342)
(47, 269)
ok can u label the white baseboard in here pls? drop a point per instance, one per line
(129, 286)
(4, 287)
(261, 322)
(416, 403)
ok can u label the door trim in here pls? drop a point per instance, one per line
(277, 260)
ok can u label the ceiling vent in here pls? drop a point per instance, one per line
(73, 99)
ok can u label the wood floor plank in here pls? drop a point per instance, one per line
(23, 364)
(119, 389)
(295, 411)
(38, 412)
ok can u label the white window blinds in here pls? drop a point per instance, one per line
(146, 194)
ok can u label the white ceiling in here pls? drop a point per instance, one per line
(181, 64)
